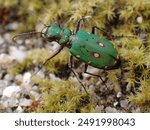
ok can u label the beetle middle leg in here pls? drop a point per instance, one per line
(85, 71)
(70, 63)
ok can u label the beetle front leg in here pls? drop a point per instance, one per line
(85, 71)
(58, 50)
(70, 63)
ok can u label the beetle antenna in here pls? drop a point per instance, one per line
(26, 33)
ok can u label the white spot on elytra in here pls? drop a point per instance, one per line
(101, 44)
(96, 55)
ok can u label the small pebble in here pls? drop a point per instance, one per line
(27, 78)
(128, 88)
(8, 77)
(35, 94)
(8, 110)
(8, 37)
(9, 102)
(143, 35)
(116, 87)
(9, 60)
(124, 103)
(21, 47)
(11, 91)
(140, 19)
(18, 79)
(35, 88)
(2, 108)
(39, 27)
(19, 109)
(53, 77)
(115, 104)
(19, 41)
(119, 94)
(110, 110)
(16, 53)
(136, 110)
(92, 88)
(26, 82)
(12, 26)
(99, 108)
(25, 102)
(3, 85)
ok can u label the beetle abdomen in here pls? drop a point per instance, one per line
(93, 50)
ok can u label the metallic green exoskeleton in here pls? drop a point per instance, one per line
(89, 48)
(94, 50)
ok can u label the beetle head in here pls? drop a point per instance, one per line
(52, 32)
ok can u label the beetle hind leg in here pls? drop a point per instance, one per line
(85, 71)
(70, 63)
(108, 34)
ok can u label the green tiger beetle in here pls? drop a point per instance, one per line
(87, 47)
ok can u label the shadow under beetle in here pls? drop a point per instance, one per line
(88, 47)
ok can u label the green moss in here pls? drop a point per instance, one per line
(63, 96)
(142, 97)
